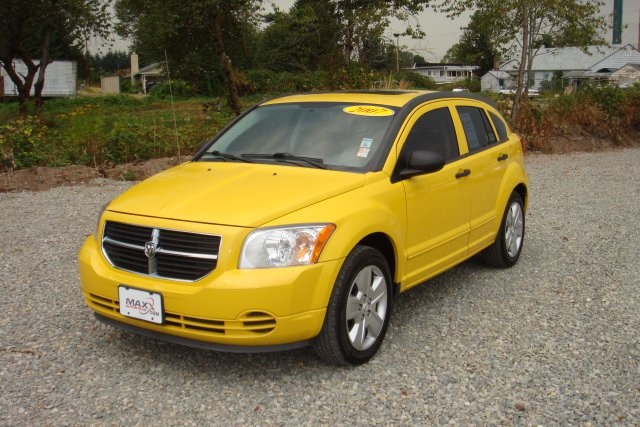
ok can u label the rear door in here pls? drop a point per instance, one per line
(487, 160)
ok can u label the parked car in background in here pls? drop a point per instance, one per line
(531, 93)
(301, 221)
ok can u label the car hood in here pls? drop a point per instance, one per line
(237, 194)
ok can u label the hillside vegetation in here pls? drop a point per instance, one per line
(100, 131)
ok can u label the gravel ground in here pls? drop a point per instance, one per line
(553, 340)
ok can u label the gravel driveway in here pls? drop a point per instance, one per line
(554, 340)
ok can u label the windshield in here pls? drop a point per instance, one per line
(332, 135)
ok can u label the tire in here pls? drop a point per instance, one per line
(359, 310)
(506, 249)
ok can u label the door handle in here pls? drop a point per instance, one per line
(463, 173)
(502, 157)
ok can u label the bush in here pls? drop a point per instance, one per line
(22, 143)
(127, 87)
(414, 80)
(177, 88)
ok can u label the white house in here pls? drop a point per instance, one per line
(627, 75)
(446, 73)
(597, 63)
(147, 76)
(496, 80)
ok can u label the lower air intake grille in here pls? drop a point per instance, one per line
(158, 252)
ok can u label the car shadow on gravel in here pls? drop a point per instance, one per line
(135, 349)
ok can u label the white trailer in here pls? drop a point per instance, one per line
(59, 79)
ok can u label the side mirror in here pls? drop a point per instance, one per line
(422, 162)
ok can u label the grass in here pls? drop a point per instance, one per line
(105, 130)
(95, 131)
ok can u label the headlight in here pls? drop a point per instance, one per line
(96, 233)
(286, 246)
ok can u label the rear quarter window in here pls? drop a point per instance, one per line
(501, 127)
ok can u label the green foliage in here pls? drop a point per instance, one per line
(177, 89)
(188, 37)
(111, 62)
(270, 82)
(594, 112)
(518, 27)
(476, 45)
(102, 130)
(35, 33)
(22, 143)
(609, 98)
(126, 86)
(415, 80)
(118, 129)
(304, 39)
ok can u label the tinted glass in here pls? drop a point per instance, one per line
(476, 127)
(501, 127)
(343, 136)
(434, 131)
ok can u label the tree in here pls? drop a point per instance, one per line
(111, 62)
(324, 33)
(304, 39)
(519, 25)
(34, 32)
(195, 35)
(476, 46)
(362, 21)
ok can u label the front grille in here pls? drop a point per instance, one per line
(158, 252)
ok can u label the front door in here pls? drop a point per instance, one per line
(438, 204)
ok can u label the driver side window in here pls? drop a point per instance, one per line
(434, 131)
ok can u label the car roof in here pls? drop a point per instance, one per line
(394, 98)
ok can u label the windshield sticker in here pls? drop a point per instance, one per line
(366, 142)
(368, 110)
(363, 152)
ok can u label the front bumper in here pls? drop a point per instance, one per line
(261, 309)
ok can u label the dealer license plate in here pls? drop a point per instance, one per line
(140, 304)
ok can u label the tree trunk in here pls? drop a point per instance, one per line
(225, 62)
(523, 64)
(24, 84)
(44, 62)
(348, 43)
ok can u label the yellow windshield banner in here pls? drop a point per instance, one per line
(368, 110)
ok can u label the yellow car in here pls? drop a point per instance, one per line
(300, 221)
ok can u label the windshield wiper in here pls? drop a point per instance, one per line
(227, 156)
(313, 161)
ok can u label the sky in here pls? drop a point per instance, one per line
(442, 32)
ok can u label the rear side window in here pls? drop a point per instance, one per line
(501, 127)
(434, 131)
(476, 126)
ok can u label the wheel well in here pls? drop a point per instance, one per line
(382, 243)
(521, 189)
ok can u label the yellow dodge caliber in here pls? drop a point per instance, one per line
(299, 222)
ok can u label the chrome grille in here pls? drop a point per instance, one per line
(158, 252)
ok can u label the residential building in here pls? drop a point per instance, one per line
(446, 73)
(627, 75)
(496, 80)
(597, 63)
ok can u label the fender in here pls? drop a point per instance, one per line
(513, 177)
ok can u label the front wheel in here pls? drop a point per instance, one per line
(506, 249)
(359, 309)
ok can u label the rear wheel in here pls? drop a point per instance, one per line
(359, 310)
(506, 249)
